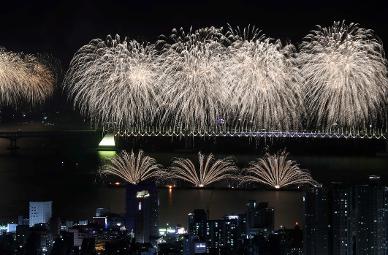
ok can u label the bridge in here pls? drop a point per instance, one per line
(225, 131)
(14, 136)
(369, 134)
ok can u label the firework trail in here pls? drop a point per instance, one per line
(209, 171)
(133, 168)
(190, 82)
(114, 81)
(263, 81)
(277, 172)
(24, 78)
(345, 76)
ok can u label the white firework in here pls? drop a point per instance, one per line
(114, 81)
(345, 76)
(277, 172)
(263, 81)
(133, 168)
(24, 79)
(208, 170)
(190, 84)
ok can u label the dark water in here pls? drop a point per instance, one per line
(64, 170)
(76, 191)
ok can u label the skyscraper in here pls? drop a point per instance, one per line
(329, 220)
(197, 232)
(219, 236)
(234, 231)
(340, 221)
(224, 235)
(347, 220)
(370, 218)
(197, 223)
(40, 212)
(316, 226)
(142, 211)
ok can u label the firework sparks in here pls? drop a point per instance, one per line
(133, 168)
(114, 81)
(190, 83)
(205, 81)
(263, 82)
(209, 171)
(345, 76)
(277, 172)
(24, 78)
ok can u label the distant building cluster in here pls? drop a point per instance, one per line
(136, 232)
(338, 220)
(104, 233)
(249, 233)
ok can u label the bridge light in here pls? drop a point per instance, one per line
(108, 141)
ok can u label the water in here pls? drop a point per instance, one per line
(64, 170)
(70, 180)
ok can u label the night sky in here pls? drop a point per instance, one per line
(60, 27)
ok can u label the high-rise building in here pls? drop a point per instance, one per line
(40, 212)
(329, 220)
(142, 211)
(215, 234)
(219, 236)
(340, 220)
(356, 218)
(234, 231)
(316, 225)
(197, 223)
(370, 218)
(224, 235)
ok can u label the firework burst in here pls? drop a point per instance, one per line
(209, 170)
(345, 75)
(24, 78)
(263, 82)
(206, 80)
(277, 172)
(190, 82)
(114, 81)
(133, 168)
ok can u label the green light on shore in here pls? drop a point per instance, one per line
(106, 154)
(107, 141)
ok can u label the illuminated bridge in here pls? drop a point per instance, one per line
(369, 134)
(14, 136)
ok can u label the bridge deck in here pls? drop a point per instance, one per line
(262, 134)
(251, 134)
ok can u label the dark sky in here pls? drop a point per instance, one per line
(60, 27)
